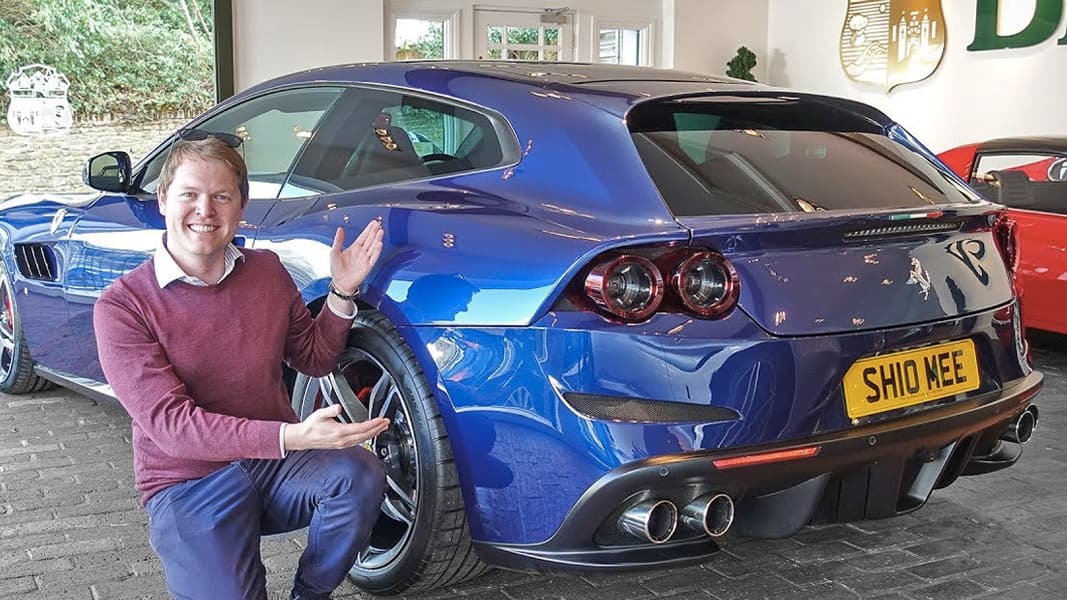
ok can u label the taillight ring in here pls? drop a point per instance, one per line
(627, 286)
(729, 282)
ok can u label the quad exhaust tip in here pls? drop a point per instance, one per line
(1022, 428)
(652, 520)
(712, 514)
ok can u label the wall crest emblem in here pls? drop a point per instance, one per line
(890, 42)
(38, 101)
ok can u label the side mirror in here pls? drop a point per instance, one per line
(108, 172)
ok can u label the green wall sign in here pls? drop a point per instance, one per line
(1043, 25)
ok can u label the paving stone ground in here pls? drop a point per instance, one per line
(71, 527)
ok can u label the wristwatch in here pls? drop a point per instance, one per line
(348, 297)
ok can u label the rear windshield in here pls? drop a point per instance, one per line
(746, 156)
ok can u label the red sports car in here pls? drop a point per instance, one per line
(1029, 176)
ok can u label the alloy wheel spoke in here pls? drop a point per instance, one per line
(405, 496)
(393, 512)
(308, 400)
(336, 390)
(387, 408)
(371, 552)
(378, 391)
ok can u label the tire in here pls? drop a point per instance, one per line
(420, 540)
(16, 366)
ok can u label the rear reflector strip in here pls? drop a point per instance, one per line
(766, 457)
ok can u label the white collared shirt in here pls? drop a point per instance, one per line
(168, 271)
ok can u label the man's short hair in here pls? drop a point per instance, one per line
(208, 148)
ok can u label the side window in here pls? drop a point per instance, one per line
(376, 137)
(1028, 181)
(274, 127)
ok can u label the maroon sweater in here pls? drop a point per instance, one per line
(199, 369)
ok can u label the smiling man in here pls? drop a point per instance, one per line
(193, 342)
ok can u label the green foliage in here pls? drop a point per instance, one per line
(741, 66)
(430, 44)
(132, 58)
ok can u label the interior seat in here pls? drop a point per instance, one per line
(384, 154)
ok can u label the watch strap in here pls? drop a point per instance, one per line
(348, 297)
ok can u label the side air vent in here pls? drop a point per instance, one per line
(893, 231)
(634, 410)
(36, 261)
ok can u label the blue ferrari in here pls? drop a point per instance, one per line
(621, 315)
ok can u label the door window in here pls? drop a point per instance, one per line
(376, 137)
(274, 128)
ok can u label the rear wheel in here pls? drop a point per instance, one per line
(420, 539)
(16, 366)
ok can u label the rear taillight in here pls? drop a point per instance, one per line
(632, 287)
(705, 283)
(629, 287)
(1006, 236)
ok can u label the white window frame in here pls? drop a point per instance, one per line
(647, 30)
(451, 22)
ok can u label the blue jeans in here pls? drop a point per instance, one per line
(206, 531)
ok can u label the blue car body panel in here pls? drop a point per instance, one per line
(503, 391)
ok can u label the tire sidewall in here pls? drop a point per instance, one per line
(374, 335)
(10, 380)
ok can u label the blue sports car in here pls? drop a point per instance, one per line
(621, 315)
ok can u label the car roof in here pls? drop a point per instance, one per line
(625, 84)
(569, 73)
(530, 72)
(1048, 143)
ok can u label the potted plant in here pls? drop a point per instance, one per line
(740, 66)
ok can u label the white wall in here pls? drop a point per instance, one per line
(707, 34)
(971, 96)
(274, 37)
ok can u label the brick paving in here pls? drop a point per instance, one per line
(70, 527)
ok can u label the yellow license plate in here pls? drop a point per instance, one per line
(881, 383)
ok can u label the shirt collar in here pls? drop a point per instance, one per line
(168, 271)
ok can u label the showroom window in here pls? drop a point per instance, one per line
(623, 43)
(424, 37)
(67, 95)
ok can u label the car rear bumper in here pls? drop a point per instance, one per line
(866, 472)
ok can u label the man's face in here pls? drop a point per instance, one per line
(202, 207)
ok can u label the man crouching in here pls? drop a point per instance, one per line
(192, 343)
